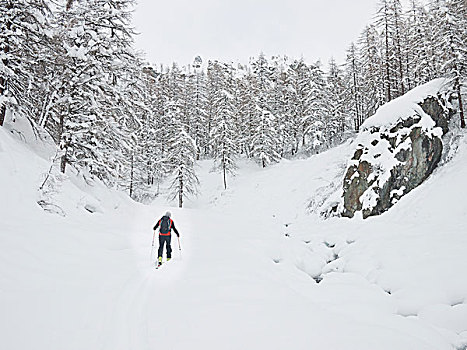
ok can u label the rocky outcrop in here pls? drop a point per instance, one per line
(394, 157)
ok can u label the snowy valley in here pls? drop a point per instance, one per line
(320, 206)
(257, 268)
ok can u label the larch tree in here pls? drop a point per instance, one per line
(453, 43)
(280, 102)
(318, 126)
(181, 161)
(263, 142)
(245, 109)
(335, 91)
(383, 21)
(399, 47)
(354, 85)
(369, 59)
(198, 106)
(23, 31)
(300, 84)
(97, 58)
(224, 135)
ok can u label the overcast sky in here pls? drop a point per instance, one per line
(234, 30)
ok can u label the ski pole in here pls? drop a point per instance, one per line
(154, 235)
(179, 248)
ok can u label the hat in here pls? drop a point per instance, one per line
(168, 214)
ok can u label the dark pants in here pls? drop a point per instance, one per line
(165, 240)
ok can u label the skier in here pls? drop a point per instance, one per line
(166, 224)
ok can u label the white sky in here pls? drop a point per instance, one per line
(234, 30)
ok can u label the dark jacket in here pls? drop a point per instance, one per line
(172, 226)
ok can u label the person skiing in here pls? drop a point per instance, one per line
(165, 224)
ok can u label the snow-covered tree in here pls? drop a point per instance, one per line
(454, 37)
(245, 109)
(224, 134)
(181, 160)
(196, 105)
(354, 85)
(300, 85)
(399, 46)
(417, 35)
(319, 127)
(23, 34)
(97, 67)
(263, 142)
(335, 98)
(369, 58)
(280, 102)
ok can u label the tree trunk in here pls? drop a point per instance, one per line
(131, 177)
(180, 190)
(223, 168)
(3, 81)
(388, 76)
(399, 51)
(461, 108)
(63, 144)
(2, 114)
(63, 162)
(2, 91)
(355, 95)
(69, 3)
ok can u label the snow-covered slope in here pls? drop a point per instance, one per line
(247, 275)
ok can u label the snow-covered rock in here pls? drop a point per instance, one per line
(398, 148)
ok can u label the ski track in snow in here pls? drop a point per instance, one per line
(247, 274)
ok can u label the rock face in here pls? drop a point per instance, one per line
(391, 160)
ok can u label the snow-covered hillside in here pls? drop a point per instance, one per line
(256, 270)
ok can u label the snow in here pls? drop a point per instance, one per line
(379, 152)
(405, 106)
(247, 274)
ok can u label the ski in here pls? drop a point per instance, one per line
(159, 265)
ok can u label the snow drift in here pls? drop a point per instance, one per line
(256, 270)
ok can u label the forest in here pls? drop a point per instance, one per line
(70, 68)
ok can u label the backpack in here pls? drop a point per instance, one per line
(165, 225)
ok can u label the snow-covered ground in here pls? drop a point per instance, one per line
(247, 275)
